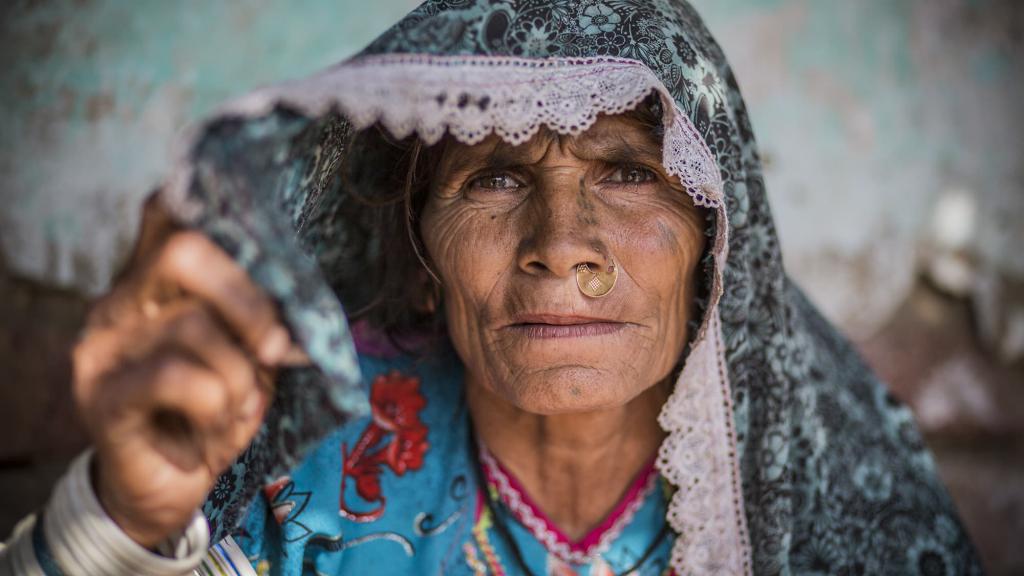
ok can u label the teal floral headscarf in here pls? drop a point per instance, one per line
(789, 455)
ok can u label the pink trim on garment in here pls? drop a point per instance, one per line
(582, 551)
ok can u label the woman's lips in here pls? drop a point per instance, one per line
(542, 326)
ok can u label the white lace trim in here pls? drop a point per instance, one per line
(699, 458)
(473, 96)
(539, 528)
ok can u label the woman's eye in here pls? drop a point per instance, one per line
(495, 182)
(632, 174)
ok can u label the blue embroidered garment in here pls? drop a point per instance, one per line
(787, 454)
(400, 493)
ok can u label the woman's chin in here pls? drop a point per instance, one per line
(567, 389)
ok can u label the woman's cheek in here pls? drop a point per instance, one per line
(648, 248)
(468, 247)
(659, 247)
(445, 232)
(476, 246)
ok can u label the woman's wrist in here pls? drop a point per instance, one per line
(85, 539)
(146, 537)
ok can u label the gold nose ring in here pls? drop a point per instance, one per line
(596, 284)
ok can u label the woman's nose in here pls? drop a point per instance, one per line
(562, 230)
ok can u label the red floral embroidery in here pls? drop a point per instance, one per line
(272, 491)
(396, 403)
(287, 504)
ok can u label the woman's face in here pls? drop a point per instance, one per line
(505, 228)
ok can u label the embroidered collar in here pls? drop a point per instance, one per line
(557, 543)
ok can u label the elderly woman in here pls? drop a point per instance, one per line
(573, 349)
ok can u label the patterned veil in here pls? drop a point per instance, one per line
(787, 453)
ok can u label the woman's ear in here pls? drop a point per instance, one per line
(433, 300)
(429, 300)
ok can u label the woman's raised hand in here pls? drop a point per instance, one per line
(173, 373)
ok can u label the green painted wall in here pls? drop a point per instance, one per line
(97, 92)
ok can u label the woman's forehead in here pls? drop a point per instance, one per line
(613, 139)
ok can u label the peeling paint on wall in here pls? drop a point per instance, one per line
(97, 93)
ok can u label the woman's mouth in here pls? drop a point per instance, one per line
(544, 326)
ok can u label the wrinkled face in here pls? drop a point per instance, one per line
(505, 228)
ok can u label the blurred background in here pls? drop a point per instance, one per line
(891, 131)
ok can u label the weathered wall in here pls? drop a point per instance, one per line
(95, 94)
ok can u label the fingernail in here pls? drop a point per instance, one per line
(274, 345)
(251, 406)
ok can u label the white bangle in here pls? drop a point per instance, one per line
(85, 540)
